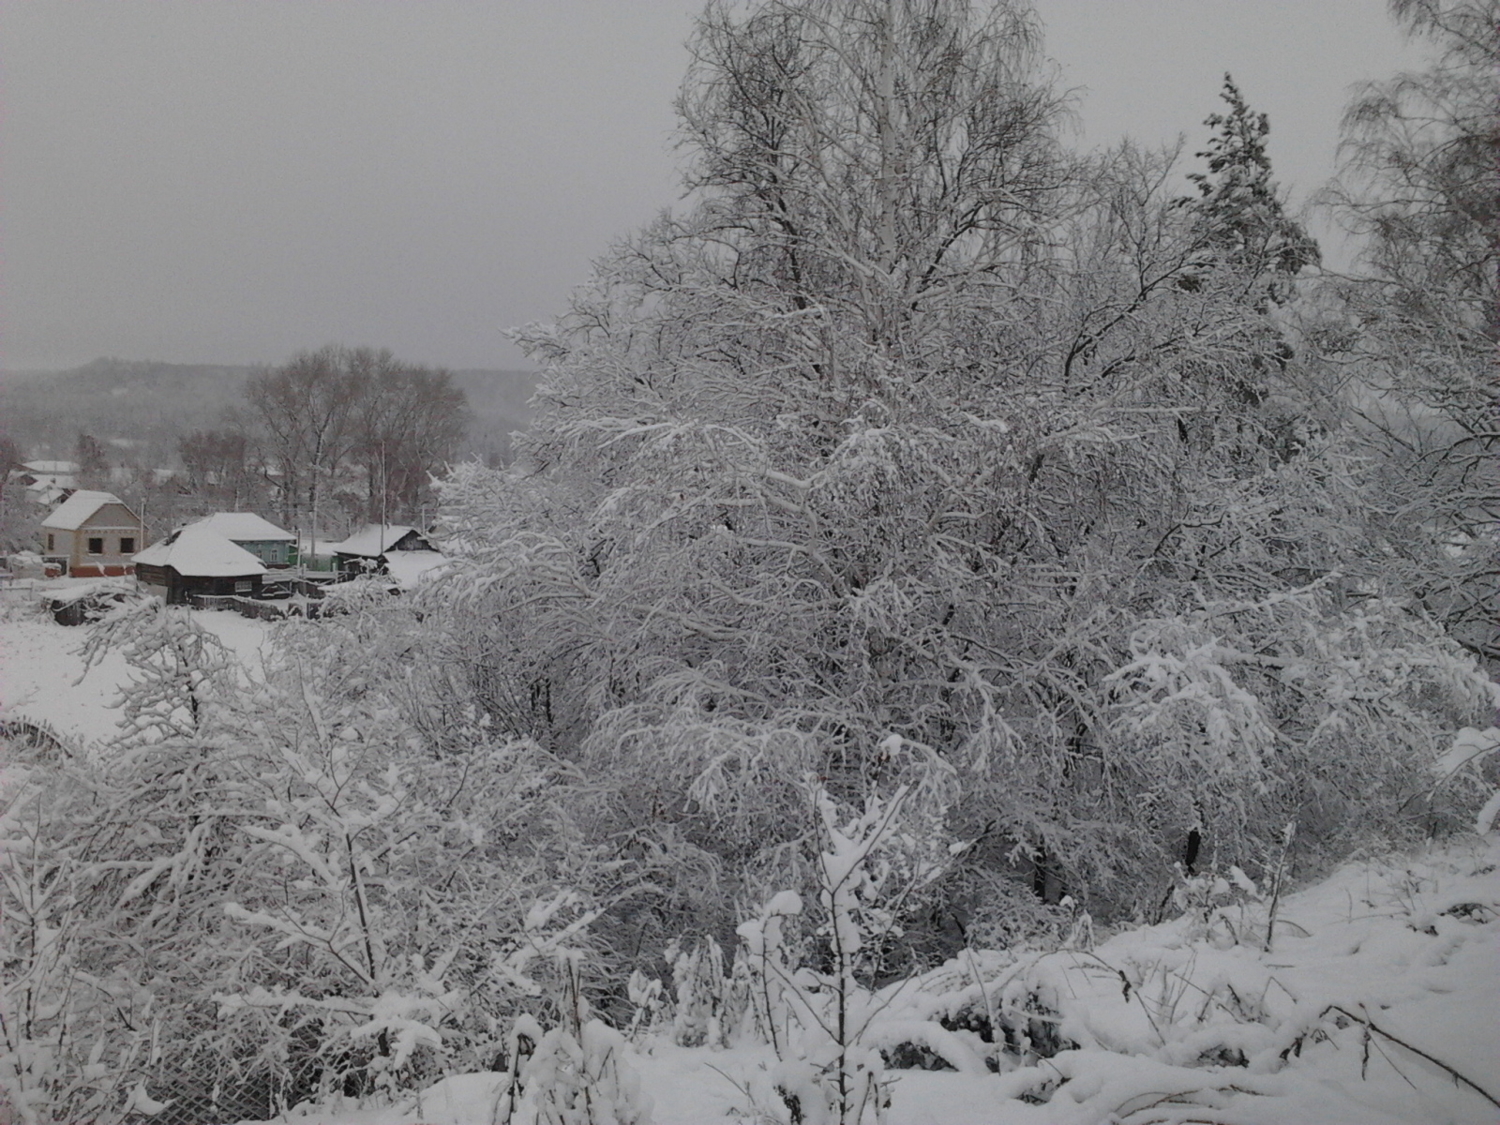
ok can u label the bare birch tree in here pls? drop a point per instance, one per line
(1418, 327)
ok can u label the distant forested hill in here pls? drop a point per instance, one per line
(143, 407)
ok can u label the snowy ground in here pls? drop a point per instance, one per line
(1378, 1005)
(40, 671)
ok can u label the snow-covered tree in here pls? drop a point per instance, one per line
(179, 671)
(327, 417)
(907, 425)
(765, 427)
(1418, 329)
(1238, 209)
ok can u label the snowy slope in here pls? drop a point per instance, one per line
(1378, 1003)
(39, 680)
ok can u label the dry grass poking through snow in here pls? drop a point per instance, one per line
(1378, 1004)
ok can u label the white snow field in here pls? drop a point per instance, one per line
(40, 670)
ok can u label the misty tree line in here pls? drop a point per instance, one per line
(328, 413)
(916, 455)
(334, 438)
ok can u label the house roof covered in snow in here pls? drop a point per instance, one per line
(46, 493)
(373, 540)
(76, 510)
(408, 567)
(244, 527)
(200, 552)
(51, 468)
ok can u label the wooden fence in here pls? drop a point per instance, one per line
(264, 610)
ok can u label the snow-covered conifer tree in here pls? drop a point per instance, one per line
(1238, 208)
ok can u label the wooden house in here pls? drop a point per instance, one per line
(369, 550)
(198, 560)
(92, 535)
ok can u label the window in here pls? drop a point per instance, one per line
(242, 586)
(96, 546)
(127, 545)
(50, 547)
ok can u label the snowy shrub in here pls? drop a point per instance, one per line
(386, 881)
(1219, 905)
(819, 1020)
(645, 994)
(280, 889)
(124, 875)
(699, 987)
(579, 1072)
(74, 1027)
(1471, 752)
(1295, 707)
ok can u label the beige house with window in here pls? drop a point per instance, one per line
(92, 535)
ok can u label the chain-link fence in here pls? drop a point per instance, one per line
(204, 1091)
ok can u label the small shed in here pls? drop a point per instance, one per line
(85, 603)
(262, 538)
(198, 560)
(92, 535)
(368, 550)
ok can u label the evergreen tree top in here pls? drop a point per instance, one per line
(1238, 207)
(1240, 142)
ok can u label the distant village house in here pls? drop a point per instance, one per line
(403, 553)
(48, 482)
(92, 535)
(198, 560)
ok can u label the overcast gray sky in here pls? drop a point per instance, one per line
(227, 181)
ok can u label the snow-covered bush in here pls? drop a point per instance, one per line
(579, 1072)
(1316, 706)
(701, 1012)
(114, 867)
(1464, 765)
(386, 880)
(818, 1020)
(74, 1027)
(278, 885)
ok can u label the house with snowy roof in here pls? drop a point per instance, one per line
(91, 535)
(48, 482)
(198, 560)
(262, 538)
(403, 553)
